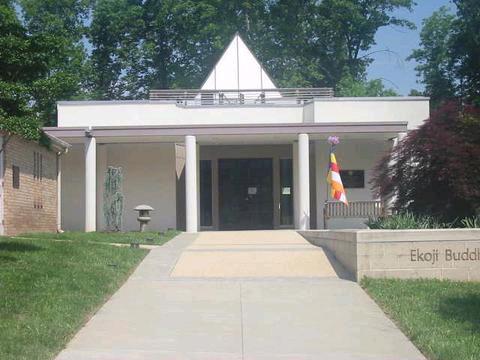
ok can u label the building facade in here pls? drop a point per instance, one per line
(239, 153)
(29, 188)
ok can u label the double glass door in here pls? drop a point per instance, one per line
(245, 194)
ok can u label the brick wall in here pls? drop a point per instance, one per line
(33, 206)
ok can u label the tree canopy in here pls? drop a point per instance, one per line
(22, 62)
(348, 86)
(434, 58)
(449, 52)
(138, 45)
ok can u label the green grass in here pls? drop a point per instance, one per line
(150, 237)
(442, 318)
(49, 289)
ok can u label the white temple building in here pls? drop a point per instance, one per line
(239, 153)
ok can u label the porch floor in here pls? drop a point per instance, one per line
(239, 254)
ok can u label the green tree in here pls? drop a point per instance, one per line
(350, 87)
(22, 61)
(466, 49)
(322, 42)
(435, 64)
(435, 169)
(62, 24)
(116, 65)
(138, 45)
(449, 52)
(415, 92)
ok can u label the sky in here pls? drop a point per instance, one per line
(395, 71)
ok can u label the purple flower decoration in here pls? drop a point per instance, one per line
(333, 140)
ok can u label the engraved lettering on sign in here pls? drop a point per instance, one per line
(424, 256)
(432, 256)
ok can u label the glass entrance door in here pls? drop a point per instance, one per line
(245, 194)
(286, 192)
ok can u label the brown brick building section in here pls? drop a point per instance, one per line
(32, 206)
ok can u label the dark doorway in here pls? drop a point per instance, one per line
(206, 193)
(245, 189)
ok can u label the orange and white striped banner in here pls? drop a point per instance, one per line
(335, 181)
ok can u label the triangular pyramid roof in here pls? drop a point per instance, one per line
(238, 69)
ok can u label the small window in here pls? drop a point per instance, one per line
(353, 179)
(16, 177)
(37, 166)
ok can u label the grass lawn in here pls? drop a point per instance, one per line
(149, 237)
(49, 289)
(442, 318)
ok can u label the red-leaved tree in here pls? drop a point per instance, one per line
(435, 169)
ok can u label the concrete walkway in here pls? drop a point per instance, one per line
(174, 308)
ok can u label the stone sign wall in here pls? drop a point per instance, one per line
(443, 254)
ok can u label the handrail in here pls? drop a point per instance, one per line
(193, 97)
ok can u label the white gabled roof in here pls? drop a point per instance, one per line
(238, 69)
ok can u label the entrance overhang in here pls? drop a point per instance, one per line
(241, 133)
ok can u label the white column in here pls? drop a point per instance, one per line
(100, 175)
(191, 184)
(303, 182)
(90, 183)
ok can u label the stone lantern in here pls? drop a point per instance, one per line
(143, 215)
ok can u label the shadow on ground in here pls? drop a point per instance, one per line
(465, 309)
(18, 246)
(4, 258)
(342, 273)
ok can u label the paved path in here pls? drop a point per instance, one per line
(173, 308)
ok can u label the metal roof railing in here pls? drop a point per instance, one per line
(197, 97)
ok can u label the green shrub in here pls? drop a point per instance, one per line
(113, 199)
(405, 220)
(471, 222)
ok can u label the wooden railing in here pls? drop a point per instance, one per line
(355, 209)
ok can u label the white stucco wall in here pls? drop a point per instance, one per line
(309, 112)
(149, 178)
(75, 114)
(135, 113)
(73, 189)
(351, 155)
(413, 110)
